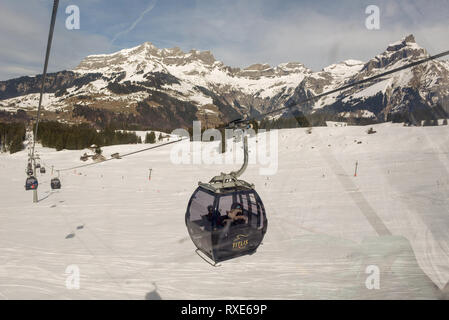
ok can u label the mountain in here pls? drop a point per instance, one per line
(168, 88)
(422, 91)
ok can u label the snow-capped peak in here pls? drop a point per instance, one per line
(193, 68)
(345, 68)
(146, 56)
(403, 51)
(404, 42)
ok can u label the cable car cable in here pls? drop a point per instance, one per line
(121, 156)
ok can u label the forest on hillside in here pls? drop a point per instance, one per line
(60, 136)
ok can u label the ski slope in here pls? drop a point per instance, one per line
(127, 235)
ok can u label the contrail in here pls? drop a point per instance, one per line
(133, 25)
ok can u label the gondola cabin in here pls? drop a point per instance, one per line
(226, 218)
(42, 170)
(31, 183)
(226, 223)
(55, 183)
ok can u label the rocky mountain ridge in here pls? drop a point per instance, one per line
(168, 88)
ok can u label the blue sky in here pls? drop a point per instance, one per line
(239, 33)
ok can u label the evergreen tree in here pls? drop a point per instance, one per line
(59, 143)
(16, 144)
(62, 136)
(150, 137)
(12, 136)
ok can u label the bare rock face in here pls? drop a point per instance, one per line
(406, 50)
(255, 71)
(402, 44)
(167, 88)
(54, 82)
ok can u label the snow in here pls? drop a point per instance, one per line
(187, 92)
(372, 90)
(30, 102)
(193, 73)
(398, 80)
(97, 85)
(325, 226)
(142, 134)
(346, 68)
(336, 124)
(358, 113)
(196, 74)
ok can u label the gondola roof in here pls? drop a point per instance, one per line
(223, 189)
(227, 183)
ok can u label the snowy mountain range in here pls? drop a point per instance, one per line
(168, 88)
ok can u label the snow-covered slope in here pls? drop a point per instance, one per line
(326, 227)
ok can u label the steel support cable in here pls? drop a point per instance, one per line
(121, 156)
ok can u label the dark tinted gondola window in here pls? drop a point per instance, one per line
(225, 205)
(256, 219)
(244, 201)
(199, 205)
